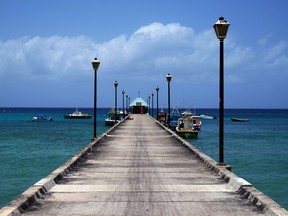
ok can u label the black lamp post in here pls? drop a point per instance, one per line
(221, 28)
(95, 65)
(127, 104)
(157, 90)
(149, 105)
(168, 78)
(123, 92)
(152, 104)
(115, 85)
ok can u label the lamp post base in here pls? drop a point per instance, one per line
(227, 166)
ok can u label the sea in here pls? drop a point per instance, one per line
(256, 150)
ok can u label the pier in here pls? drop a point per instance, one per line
(139, 167)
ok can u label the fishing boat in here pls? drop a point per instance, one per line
(187, 112)
(195, 119)
(185, 127)
(174, 116)
(77, 115)
(41, 117)
(240, 119)
(113, 117)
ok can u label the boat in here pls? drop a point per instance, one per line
(187, 112)
(204, 116)
(195, 119)
(77, 115)
(174, 116)
(41, 117)
(240, 119)
(113, 117)
(161, 116)
(186, 128)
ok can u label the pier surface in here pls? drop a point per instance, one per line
(141, 168)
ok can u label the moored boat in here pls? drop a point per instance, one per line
(187, 112)
(196, 120)
(240, 119)
(174, 116)
(161, 116)
(41, 117)
(204, 116)
(77, 115)
(186, 127)
(113, 117)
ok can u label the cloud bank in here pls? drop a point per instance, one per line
(148, 54)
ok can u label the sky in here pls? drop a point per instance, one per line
(46, 49)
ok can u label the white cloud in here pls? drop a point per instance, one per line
(151, 51)
(45, 58)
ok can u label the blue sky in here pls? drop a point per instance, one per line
(46, 48)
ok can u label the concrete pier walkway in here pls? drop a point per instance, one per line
(140, 168)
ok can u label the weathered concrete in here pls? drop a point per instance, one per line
(141, 168)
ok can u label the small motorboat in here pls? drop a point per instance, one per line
(203, 116)
(240, 119)
(41, 117)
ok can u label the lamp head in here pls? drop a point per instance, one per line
(221, 28)
(168, 77)
(95, 64)
(115, 83)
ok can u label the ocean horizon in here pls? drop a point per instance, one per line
(256, 150)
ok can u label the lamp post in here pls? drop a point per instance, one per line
(157, 90)
(149, 105)
(168, 78)
(123, 92)
(115, 85)
(152, 104)
(95, 65)
(127, 103)
(221, 28)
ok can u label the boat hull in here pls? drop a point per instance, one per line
(77, 117)
(41, 119)
(187, 134)
(110, 122)
(239, 120)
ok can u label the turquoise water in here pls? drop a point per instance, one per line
(257, 150)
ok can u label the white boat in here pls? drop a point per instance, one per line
(77, 115)
(41, 117)
(203, 116)
(187, 112)
(196, 122)
(186, 128)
